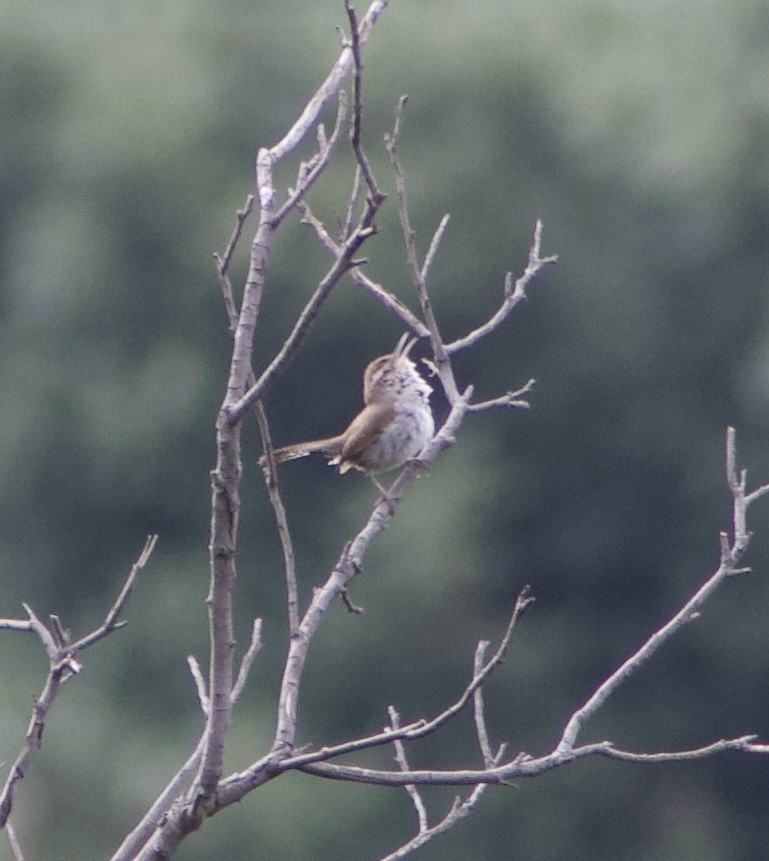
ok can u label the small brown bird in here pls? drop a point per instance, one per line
(394, 426)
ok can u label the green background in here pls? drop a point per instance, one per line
(638, 133)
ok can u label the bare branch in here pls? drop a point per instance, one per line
(223, 262)
(513, 295)
(479, 710)
(240, 395)
(309, 173)
(690, 610)
(63, 665)
(523, 765)
(129, 849)
(756, 494)
(14, 841)
(17, 625)
(433, 249)
(686, 614)
(566, 751)
(418, 274)
(33, 739)
(341, 265)
(254, 647)
(365, 168)
(510, 399)
(200, 684)
(315, 105)
(420, 728)
(376, 291)
(281, 521)
(400, 758)
(345, 258)
(744, 744)
(225, 515)
(111, 622)
(348, 565)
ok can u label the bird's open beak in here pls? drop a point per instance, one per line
(403, 346)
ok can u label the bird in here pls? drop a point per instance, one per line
(394, 426)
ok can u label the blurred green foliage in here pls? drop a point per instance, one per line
(638, 133)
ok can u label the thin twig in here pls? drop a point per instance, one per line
(307, 317)
(433, 249)
(479, 710)
(376, 193)
(46, 638)
(200, 684)
(509, 399)
(314, 106)
(400, 758)
(34, 735)
(281, 520)
(745, 743)
(223, 262)
(376, 291)
(418, 273)
(111, 622)
(352, 205)
(514, 294)
(310, 173)
(687, 613)
(63, 665)
(13, 839)
(254, 647)
(422, 728)
(459, 810)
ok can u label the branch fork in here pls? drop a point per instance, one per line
(63, 664)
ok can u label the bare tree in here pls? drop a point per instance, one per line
(200, 788)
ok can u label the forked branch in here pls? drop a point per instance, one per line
(63, 664)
